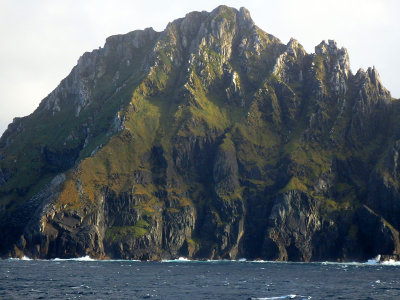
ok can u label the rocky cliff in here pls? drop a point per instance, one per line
(211, 139)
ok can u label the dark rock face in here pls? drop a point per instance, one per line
(383, 192)
(293, 222)
(61, 160)
(4, 175)
(225, 173)
(211, 139)
(377, 236)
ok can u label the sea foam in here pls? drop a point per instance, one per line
(390, 262)
(283, 297)
(83, 258)
(22, 258)
(180, 259)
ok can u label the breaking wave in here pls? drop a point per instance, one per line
(373, 261)
(283, 297)
(83, 258)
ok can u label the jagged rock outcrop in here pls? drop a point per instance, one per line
(211, 139)
(293, 221)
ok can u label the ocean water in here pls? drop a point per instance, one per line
(89, 279)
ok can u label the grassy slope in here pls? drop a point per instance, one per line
(24, 157)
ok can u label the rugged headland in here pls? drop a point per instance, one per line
(211, 139)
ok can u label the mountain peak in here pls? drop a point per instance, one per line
(295, 48)
(371, 83)
(330, 48)
(245, 13)
(374, 76)
(245, 17)
(242, 16)
(338, 57)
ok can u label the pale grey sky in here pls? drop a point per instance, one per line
(42, 40)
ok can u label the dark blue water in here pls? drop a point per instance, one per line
(195, 280)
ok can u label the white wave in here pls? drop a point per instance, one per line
(83, 258)
(372, 261)
(271, 261)
(343, 264)
(19, 258)
(375, 260)
(293, 296)
(183, 259)
(277, 298)
(390, 262)
(180, 259)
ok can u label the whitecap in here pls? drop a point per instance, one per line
(276, 298)
(180, 259)
(83, 258)
(13, 258)
(88, 258)
(390, 262)
(261, 261)
(375, 260)
(183, 259)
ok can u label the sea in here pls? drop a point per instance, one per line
(85, 278)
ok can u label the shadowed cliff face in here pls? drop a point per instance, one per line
(211, 139)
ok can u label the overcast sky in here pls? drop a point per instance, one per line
(42, 40)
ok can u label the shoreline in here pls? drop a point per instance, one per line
(389, 260)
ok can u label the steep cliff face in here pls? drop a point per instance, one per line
(211, 139)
